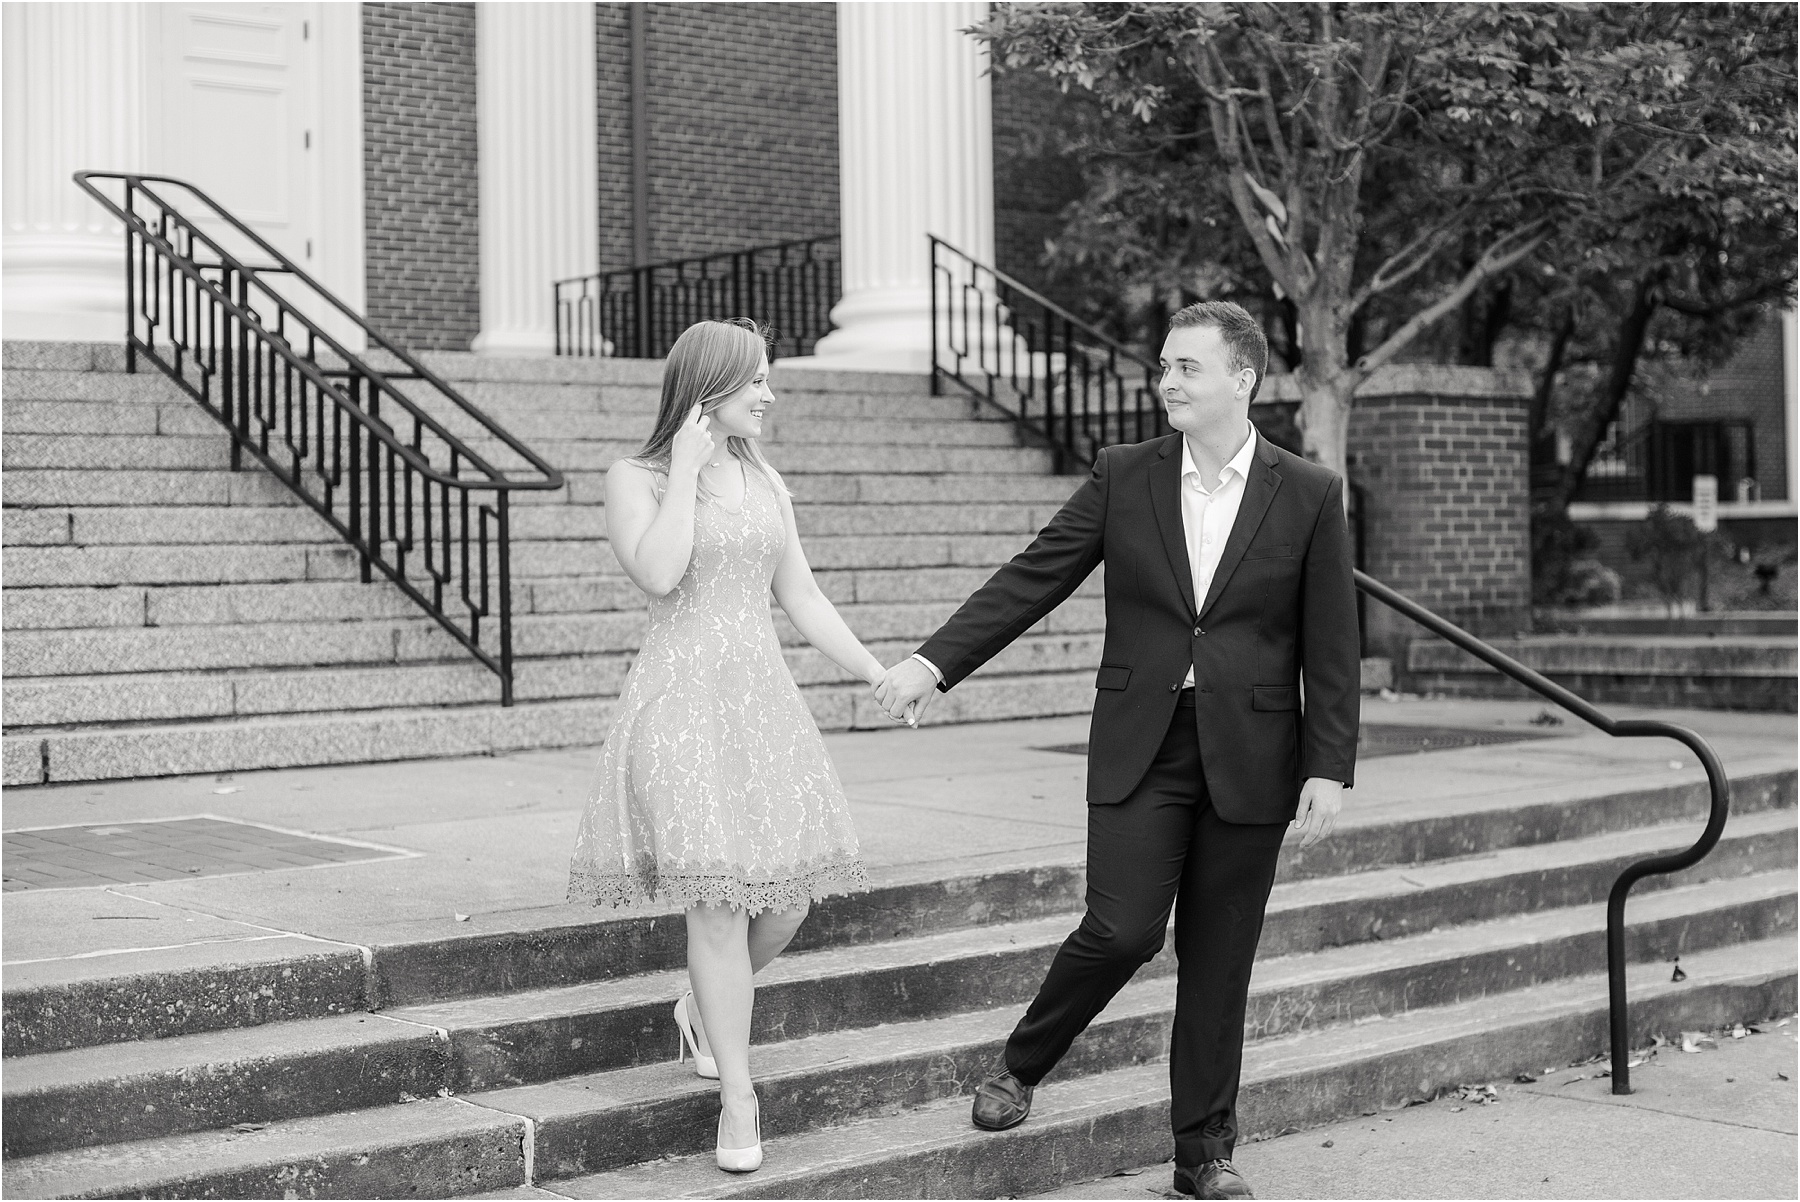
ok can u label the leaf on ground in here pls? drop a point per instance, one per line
(247, 1128)
(1456, 1110)
(1659, 1041)
(1783, 1076)
(1678, 975)
(1575, 1078)
(1288, 1131)
(1634, 1063)
(1524, 1079)
(1125, 1173)
(1694, 1041)
(1329, 1143)
(1605, 1072)
(1738, 1032)
(462, 917)
(222, 792)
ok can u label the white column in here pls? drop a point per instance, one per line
(74, 79)
(916, 155)
(540, 217)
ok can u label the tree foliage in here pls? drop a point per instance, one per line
(1375, 169)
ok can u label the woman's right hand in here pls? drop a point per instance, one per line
(693, 445)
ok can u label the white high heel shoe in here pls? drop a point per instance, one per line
(704, 1066)
(741, 1160)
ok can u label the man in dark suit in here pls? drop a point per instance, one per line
(1227, 707)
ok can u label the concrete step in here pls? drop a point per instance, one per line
(150, 1088)
(1748, 672)
(457, 367)
(179, 452)
(146, 674)
(1723, 622)
(431, 1148)
(253, 563)
(1093, 1125)
(243, 744)
(72, 701)
(1055, 686)
(267, 525)
(289, 1070)
(48, 654)
(78, 486)
(543, 423)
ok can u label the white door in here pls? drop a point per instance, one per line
(237, 115)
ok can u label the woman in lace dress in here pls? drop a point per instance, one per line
(714, 786)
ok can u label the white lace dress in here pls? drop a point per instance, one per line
(714, 785)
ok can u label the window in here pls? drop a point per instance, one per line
(1679, 451)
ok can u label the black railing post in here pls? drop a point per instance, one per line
(937, 382)
(504, 533)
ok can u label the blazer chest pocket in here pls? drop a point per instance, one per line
(1278, 551)
(1275, 697)
(1112, 676)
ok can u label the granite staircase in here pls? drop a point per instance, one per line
(166, 615)
(1417, 950)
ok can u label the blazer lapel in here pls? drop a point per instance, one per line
(1165, 499)
(1259, 492)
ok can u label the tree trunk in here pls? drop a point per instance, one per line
(1325, 417)
(1605, 409)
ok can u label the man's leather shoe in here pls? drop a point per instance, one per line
(1214, 1179)
(1001, 1102)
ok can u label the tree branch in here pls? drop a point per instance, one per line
(1497, 259)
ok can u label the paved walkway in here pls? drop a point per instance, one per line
(1716, 1123)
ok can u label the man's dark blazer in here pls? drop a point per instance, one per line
(1282, 602)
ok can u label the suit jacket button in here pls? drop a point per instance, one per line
(1198, 632)
(1174, 688)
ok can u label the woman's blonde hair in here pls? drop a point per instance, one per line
(710, 361)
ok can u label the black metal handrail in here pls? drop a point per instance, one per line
(1065, 383)
(1618, 1014)
(638, 312)
(408, 494)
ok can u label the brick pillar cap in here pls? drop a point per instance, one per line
(1420, 379)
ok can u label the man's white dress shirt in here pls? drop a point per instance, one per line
(1206, 521)
(1207, 517)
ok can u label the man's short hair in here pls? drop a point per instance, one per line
(1245, 343)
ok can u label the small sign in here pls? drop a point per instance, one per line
(1706, 503)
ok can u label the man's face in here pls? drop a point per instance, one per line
(1198, 387)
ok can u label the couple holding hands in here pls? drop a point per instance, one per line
(1228, 582)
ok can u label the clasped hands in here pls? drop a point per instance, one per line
(906, 690)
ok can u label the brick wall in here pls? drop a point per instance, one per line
(1440, 457)
(743, 126)
(612, 103)
(420, 185)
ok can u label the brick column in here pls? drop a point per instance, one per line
(1439, 459)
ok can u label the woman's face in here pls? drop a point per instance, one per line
(741, 414)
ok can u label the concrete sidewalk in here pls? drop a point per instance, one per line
(1718, 1123)
(482, 844)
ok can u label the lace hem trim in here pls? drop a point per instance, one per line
(648, 883)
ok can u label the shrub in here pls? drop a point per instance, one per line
(1672, 544)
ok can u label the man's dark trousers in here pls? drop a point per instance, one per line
(1164, 845)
